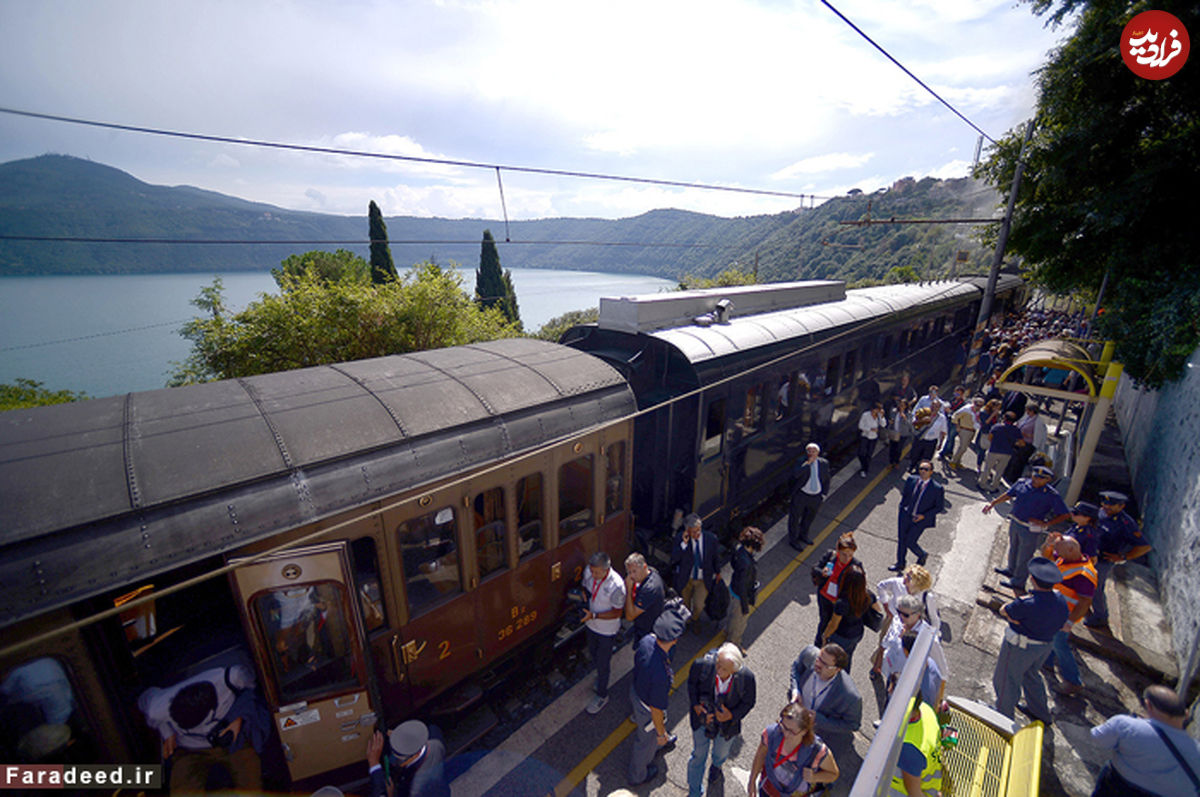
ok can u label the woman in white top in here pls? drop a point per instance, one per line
(916, 581)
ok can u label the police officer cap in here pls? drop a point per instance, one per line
(1042, 470)
(669, 625)
(1113, 497)
(1045, 571)
(408, 738)
(1087, 509)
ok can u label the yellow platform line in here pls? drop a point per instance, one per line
(602, 750)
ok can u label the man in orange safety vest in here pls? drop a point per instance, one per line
(1078, 586)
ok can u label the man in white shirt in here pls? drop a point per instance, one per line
(869, 425)
(606, 604)
(966, 420)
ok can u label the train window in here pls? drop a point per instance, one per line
(614, 478)
(430, 553)
(310, 639)
(367, 581)
(885, 348)
(575, 496)
(848, 371)
(831, 375)
(752, 412)
(529, 515)
(39, 713)
(491, 531)
(714, 429)
(783, 396)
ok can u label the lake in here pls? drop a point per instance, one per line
(105, 335)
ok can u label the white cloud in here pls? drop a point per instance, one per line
(224, 161)
(834, 161)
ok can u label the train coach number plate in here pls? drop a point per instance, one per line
(299, 718)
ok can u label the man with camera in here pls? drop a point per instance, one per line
(205, 723)
(721, 692)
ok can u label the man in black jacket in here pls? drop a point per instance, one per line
(417, 762)
(810, 485)
(721, 692)
(695, 562)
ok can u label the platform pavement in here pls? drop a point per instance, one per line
(566, 750)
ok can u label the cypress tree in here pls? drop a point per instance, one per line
(493, 286)
(382, 268)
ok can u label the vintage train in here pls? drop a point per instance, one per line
(373, 534)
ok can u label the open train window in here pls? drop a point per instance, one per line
(714, 429)
(367, 583)
(614, 478)
(529, 515)
(784, 393)
(430, 554)
(310, 638)
(831, 374)
(491, 532)
(885, 348)
(848, 371)
(575, 496)
(752, 411)
(40, 716)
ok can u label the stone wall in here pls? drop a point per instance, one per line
(1161, 434)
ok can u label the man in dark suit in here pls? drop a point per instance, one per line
(810, 485)
(721, 691)
(696, 566)
(821, 683)
(922, 500)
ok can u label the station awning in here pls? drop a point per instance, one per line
(1057, 354)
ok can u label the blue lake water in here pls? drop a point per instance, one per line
(105, 335)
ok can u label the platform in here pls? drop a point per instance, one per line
(563, 750)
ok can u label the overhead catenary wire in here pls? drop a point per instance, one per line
(405, 158)
(416, 490)
(907, 71)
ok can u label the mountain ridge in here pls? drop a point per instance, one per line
(61, 195)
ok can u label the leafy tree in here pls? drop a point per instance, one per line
(327, 266)
(382, 268)
(313, 322)
(728, 278)
(1109, 187)
(493, 286)
(553, 329)
(30, 393)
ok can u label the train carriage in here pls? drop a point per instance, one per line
(437, 505)
(781, 365)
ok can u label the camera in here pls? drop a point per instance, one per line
(710, 718)
(577, 603)
(220, 737)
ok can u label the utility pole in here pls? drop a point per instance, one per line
(989, 295)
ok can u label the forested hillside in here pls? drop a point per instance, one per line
(57, 196)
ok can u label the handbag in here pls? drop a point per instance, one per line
(873, 618)
(716, 605)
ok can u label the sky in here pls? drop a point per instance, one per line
(770, 94)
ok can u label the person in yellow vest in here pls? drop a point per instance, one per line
(919, 766)
(1078, 586)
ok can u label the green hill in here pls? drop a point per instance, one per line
(56, 195)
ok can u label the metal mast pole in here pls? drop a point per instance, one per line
(985, 307)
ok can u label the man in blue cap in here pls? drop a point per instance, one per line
(650, 690)
(1033, 620)
(1036, 505)
(1120, 540)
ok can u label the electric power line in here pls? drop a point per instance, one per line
(408, 158)
(906, 71)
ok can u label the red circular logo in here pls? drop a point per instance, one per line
(1155, 45)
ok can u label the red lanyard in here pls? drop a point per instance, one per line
(633, 597)
(779, 760)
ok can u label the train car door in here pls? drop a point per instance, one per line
(712, 472)
(300, 613)
(436, 645)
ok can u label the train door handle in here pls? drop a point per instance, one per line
(287, 752)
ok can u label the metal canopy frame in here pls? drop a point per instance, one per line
(1102, 377)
